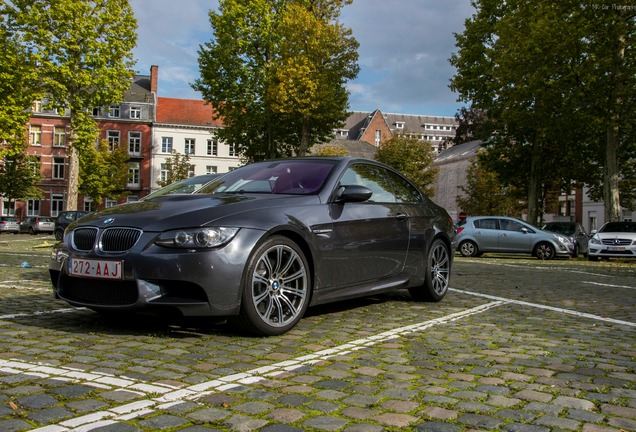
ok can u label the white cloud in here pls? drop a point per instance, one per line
(404, 49)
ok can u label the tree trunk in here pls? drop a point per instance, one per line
(73, 178)
(304, 139)
(611, 195)
(533, 186)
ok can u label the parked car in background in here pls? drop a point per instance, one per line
(186, 186)
(260, 244)
(9, 224)
(574, 231)
(613, 240)
(477, 235)
(37, 224)
(64, 219)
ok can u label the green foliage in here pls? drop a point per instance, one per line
(104, 172)
(83, 53)
(330, 150)
(413, 158)
(557, 83)
(19, 174)
(485, 195)
(178, 167)
(275, 73)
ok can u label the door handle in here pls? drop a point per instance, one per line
(400, 216)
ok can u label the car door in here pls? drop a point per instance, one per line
(370, 238)
(515, 236)
(486, 234)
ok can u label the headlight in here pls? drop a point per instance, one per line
(563, 239)
(594, 240)
(196, 238)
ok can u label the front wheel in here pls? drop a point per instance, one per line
(544, 251)
(276, 288)
(59, 234)
(438, 266)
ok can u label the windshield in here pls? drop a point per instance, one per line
(626, 227)
(187, 186)
(561, 228)
(297, 177)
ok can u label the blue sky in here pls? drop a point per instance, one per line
(404, 50)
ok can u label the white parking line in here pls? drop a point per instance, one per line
(611, 286)
(551, 308)
(170, 396)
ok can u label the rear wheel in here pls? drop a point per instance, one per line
(468, 249)
(544, 251)
(276, 288)
(437, 278)
(59, 234)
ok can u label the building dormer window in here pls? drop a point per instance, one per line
(399, 125)
(135, 112)
(113, 111)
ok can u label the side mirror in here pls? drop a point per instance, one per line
(353, 193)
(524, 230)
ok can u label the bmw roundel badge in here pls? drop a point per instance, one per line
(109, 221)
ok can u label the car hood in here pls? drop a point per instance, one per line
(615, 235)
(180, 211)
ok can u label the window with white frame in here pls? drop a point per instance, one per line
(135, 112)
(132, 198)
(113, 111)
(189, 146)
(97, 111)
(113, 139)
(211, 169)
(57, 204)
(108, 203)
(213, 147)
(399, 125)
(8, 208)
(58, 168)
(35, 135)
(134, 143)
(37, 106)
(163, 172)
(166, 145)
(378, 138)
(191, 171)
(33, 207)
(89, 204)
(59, 136)
(133, 175)
(232, 150)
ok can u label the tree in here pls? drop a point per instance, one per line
(104, 172)
(331, 150)
(19, 174)
(178, 168)
(411, 157)
(83, 49)
(552, 77)
(275, 73)
(485, 195)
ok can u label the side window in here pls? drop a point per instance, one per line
(372, 177)
(486, 224)
(405, 192)
(509, 225)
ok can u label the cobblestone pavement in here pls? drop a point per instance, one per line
(517, 345)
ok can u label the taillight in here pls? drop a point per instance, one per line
(460, 229)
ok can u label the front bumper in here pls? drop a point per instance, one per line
(194, 282)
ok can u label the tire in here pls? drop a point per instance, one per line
(437, 279)
(544, 251)
(468, 249)
(59, 235)
(276, 288)
(592, 258)
(31, 231)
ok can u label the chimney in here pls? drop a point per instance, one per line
(154, 78)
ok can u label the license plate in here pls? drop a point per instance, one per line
(92, 268)
(616, 248)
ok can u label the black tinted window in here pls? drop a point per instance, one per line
(405, 192)
(486, 223)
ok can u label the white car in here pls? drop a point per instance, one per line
(613, 240)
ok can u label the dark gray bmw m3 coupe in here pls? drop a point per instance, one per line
(261, 244)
